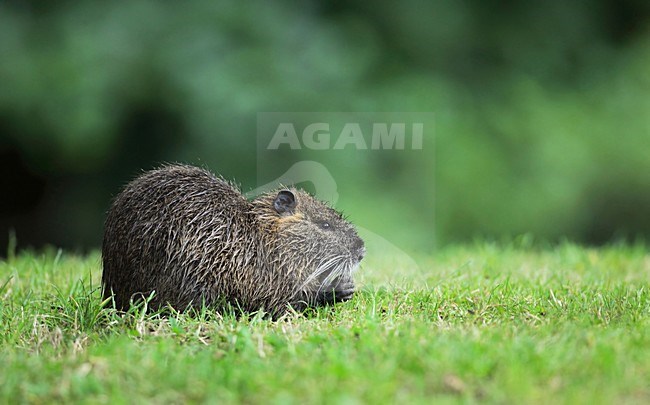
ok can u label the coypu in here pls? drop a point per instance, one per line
(193, 238)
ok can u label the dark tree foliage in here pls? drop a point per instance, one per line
(541, 109)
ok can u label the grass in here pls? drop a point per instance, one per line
(505, 323)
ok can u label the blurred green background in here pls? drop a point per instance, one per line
(542, 109)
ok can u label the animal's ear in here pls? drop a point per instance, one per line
(285, 202)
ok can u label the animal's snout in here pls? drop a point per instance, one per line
(359, 249)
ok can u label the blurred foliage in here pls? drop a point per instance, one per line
(542, 108)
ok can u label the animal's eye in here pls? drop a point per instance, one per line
(324, 224)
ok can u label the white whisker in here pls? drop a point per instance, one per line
(336, 266)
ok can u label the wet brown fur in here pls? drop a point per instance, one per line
(192, 238)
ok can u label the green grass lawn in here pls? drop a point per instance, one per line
(499, 323)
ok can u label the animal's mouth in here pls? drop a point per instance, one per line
(340, 292)
(330, 283)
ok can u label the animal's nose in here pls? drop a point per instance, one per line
(359, 248)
